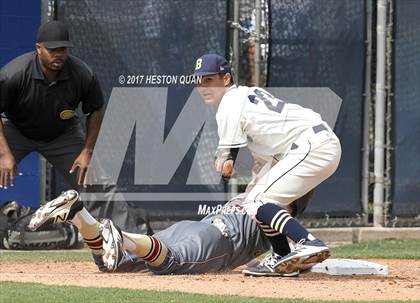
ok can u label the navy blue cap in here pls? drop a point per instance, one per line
(54, 34)
(211, 64)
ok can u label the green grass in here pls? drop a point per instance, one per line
(51, 256)
(12, 292)
(386, 249)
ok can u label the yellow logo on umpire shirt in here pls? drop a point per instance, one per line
(67, 114)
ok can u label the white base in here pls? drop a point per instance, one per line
(340, 267)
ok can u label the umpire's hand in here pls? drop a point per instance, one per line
(82, 162)
(8, 170)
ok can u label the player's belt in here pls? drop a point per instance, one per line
(319, 128)
(316, 129)
(218, 222)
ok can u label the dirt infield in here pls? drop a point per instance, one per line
(403, 282)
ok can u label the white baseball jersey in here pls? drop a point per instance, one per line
(268, 126)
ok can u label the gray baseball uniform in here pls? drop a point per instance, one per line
(218, 242)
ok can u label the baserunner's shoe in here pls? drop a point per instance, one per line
(304, 254)
(99, 262)
(59, 210)
(266, 268)
(112, 244)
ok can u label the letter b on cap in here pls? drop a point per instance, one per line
(198, 63)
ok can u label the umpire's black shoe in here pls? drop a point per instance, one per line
(266, 268)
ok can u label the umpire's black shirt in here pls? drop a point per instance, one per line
(41, 109)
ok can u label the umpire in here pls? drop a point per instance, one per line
(39, 94)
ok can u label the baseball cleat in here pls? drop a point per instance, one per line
(305, 254)
(99, 261)
(266, 268)
(112, 244)
(59, 210)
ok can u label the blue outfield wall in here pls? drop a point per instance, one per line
(317, 43)
(19, 22)
(148, 37)
(320, 43)
(406, 118)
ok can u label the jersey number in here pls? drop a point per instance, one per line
(262, 96)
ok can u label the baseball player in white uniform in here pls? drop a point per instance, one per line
(300, 150)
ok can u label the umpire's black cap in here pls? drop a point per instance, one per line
(54, 34)
(211, 64)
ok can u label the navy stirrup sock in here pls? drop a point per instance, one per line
(280, 221)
